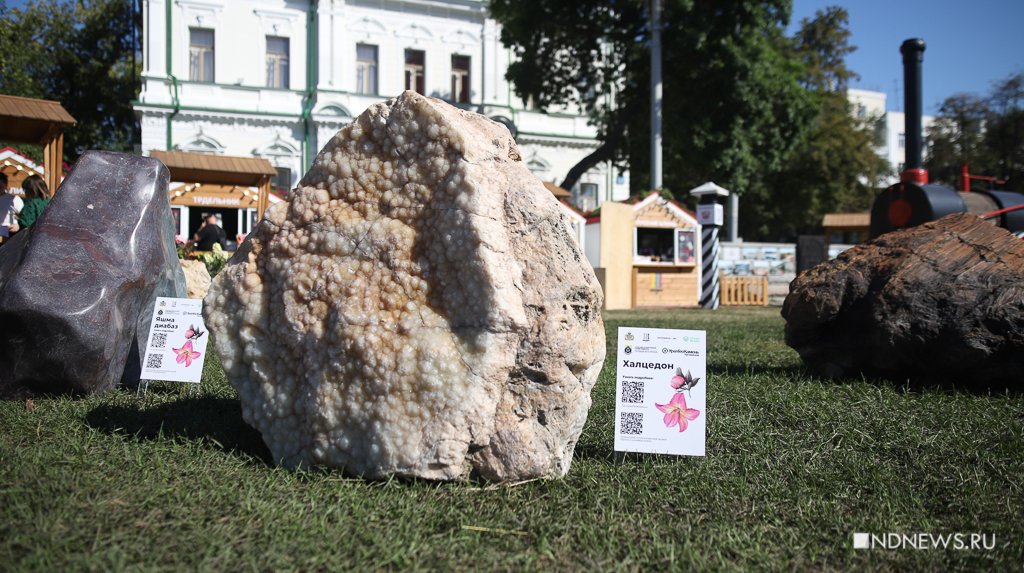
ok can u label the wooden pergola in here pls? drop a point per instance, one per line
(39, 121)
(200, 169)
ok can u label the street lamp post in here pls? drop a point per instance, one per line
(655, 17)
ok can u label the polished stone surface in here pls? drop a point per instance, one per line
(77, 288)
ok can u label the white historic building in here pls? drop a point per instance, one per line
(869, 104)
(277, 78)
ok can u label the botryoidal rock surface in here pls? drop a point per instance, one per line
(417, 308)
(938, 304)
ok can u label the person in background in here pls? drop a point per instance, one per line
(37, 197)
(209, 234)
(10, 208)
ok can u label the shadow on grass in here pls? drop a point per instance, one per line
(595, 452)
(752, 369)
(922, 384)
(915, 385)
(217, 421)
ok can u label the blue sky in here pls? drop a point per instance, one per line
(970, 44)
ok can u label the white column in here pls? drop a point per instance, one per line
(154, 38)
(491, 58)
(327, 42)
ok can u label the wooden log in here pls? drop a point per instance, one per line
(942, 303)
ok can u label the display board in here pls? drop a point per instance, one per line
(661, 391)
(177, 341)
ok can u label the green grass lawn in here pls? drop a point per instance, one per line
(794, 466)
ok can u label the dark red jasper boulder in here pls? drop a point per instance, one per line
(77, 288)
(939, 304)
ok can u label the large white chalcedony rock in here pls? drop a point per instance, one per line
(417, 308)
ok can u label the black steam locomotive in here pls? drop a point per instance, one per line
(913, 200)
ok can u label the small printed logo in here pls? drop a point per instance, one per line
(160, 312)
(629, 349)
(647, 337)
(629, 336)
(860, 540)
(163, 303)
(684, 352)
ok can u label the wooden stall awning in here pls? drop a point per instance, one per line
(31, 120)
(222, 169)
(214, 195)
(557, 191)
(26, 120)
(203, 169)
(847, 221)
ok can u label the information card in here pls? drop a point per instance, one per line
(177, 341)
(661, 391)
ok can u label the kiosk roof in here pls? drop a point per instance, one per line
(221, 169)
(31, 120)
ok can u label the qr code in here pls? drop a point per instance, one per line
(632, 391)
(155, 360)
(631, 423)
(159, 340)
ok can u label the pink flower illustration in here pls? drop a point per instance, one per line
(186, 354)
(682, 382)
(676, 412)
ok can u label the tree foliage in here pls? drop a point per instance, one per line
(986, 132)
(78, 53)
(746, 106)
(834, 168)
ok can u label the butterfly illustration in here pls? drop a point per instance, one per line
(193, 333)
(682, 382)
(186, 354)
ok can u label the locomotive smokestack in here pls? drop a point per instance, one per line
(913, 55)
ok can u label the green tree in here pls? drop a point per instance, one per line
(585, 55)
(834, 167)
(1004, 133)
(957, 136)
(82, 55)
(746, 106)
(985, 132)
(733, 105)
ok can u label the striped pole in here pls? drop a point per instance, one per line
(709, 293)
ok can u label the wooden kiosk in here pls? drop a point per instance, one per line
(38, 121)
(848, 228)
(220, 184)
(18, 167)
(645, 254)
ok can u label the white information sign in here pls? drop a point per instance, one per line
(177, 341)
(713, 214)
(661, 391)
